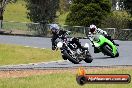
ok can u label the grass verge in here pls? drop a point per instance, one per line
(13, 54)
(18, 12)
(63, 80)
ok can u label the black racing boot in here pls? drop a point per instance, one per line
(114, 43)
(53, 47)
(109, 37)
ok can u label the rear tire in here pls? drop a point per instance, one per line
(71, 59)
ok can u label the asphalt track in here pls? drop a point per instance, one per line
(99, 60)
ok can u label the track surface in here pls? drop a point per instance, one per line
(125, 50)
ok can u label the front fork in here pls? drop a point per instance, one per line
(87, 53)
(66, 49)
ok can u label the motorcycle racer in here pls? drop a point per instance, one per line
(94, 31)
(58, 33)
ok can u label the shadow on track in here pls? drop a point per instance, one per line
(102, 57)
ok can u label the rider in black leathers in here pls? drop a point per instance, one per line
(56, 32)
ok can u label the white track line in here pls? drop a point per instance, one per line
(34, 47)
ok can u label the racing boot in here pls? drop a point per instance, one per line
(109, 37)
(114, 43)
(53, 47)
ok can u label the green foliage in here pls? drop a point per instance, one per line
(118, 19)
(63, 6)
(86, 12)
(128, 5)
(42, 10)
(13, 13)
(61, 18)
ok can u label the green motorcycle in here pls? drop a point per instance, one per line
(104, 45)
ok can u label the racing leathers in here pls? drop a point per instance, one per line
(104, 33)
(62, 34)
(56, 35)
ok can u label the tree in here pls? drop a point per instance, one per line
(42, 10)
(86, 12)
(117, 19)
(128, 5)
(64, 6)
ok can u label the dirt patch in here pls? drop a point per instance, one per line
(26, 73)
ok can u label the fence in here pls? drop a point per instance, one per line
(38, 29)
(124, 34)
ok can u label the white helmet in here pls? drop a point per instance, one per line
(54, 27)
(92, 28)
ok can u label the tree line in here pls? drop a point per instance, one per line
(81, 12)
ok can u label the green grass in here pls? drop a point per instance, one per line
(16, 12)
(13, 54)
(62, 80)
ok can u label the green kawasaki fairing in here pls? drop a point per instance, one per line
(101, 40)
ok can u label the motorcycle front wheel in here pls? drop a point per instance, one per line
(108, 51)
(70, 58)
(88, 58)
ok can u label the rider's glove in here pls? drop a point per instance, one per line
(93, 45)
(68, 32)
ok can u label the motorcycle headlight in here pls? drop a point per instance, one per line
(86, 45)
(96, 44)
(59, 44)
(96, 38)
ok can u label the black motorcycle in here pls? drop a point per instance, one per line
(74, 54)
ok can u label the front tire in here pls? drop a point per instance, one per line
(71, 59)
(117, 54)
(108, 51)
(64, 57)
(88, 58)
